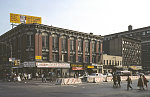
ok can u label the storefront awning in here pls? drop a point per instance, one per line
(53, 65)
(135, 67)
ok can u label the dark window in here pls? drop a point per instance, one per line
(30, 40)
(86, 46)
(94, 59)
(55, 57)
(72, 58)
(93, 47)
(72, 44)
(80, 58)
(87, 59)
(63, 43)
(79, 45)
(55, 43)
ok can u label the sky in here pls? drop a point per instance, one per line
(100, 17)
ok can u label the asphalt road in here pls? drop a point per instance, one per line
(38, 89)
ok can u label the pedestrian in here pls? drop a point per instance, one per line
(42, 77)
(140, 83)
(36, 75)
(119, 80)
(114, 80)
(145, 81)
(129, 81)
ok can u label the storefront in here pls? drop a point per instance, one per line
(76, 70)
(60, 69)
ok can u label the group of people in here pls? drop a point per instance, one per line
(18, 76)
(142, 82)
(116, 79)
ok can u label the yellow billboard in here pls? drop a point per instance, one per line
(18, 18)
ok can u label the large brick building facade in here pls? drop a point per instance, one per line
(142, 34)
(46, 48)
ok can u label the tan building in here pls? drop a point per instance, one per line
(110, 61)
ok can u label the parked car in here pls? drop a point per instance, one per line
(96, 75)
(108, 75)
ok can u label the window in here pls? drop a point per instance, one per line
(44, 41)
(30, 40)
(72, 58)
(45, 56)
(107, 62)
(87, 59)
(87, 46)
(93, 59)
(64, 58)
(112, 62)
(55, 57)
(143, 33)
(72, 44)
(80, 58)
(104, 62)
(63, 43)
(55, 42)
(93, 47)
(79, 45)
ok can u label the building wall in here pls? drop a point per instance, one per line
(32, 42)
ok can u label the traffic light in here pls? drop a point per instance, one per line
(17, 62)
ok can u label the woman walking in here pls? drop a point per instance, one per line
(129, 81)
(145, 81)
(140, 83)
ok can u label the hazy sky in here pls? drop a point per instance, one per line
(100, 17)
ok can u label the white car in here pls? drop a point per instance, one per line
(108, 75)
(96, 75)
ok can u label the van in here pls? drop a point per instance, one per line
(124, 73)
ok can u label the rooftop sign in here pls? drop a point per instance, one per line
(18, 18)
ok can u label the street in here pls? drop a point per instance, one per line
(39, 89)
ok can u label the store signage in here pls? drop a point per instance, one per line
(94, 64)
(18, 18)
(53, 65)
(38, 57)
(90, 66)
(76, 65)
(29, 64)
(77, 68)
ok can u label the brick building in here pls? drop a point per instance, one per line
(43, 48)
(138, 42)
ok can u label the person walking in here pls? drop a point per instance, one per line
(140, 83)
(114, 80)
(145, 81)
(119, 80)
(36, 75)
(129, 81)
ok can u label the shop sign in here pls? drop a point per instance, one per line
(38, 57)
(77, 68)
(29, 64)
(94, 64)
(76, 65)
(53, 65)
(90, 66)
